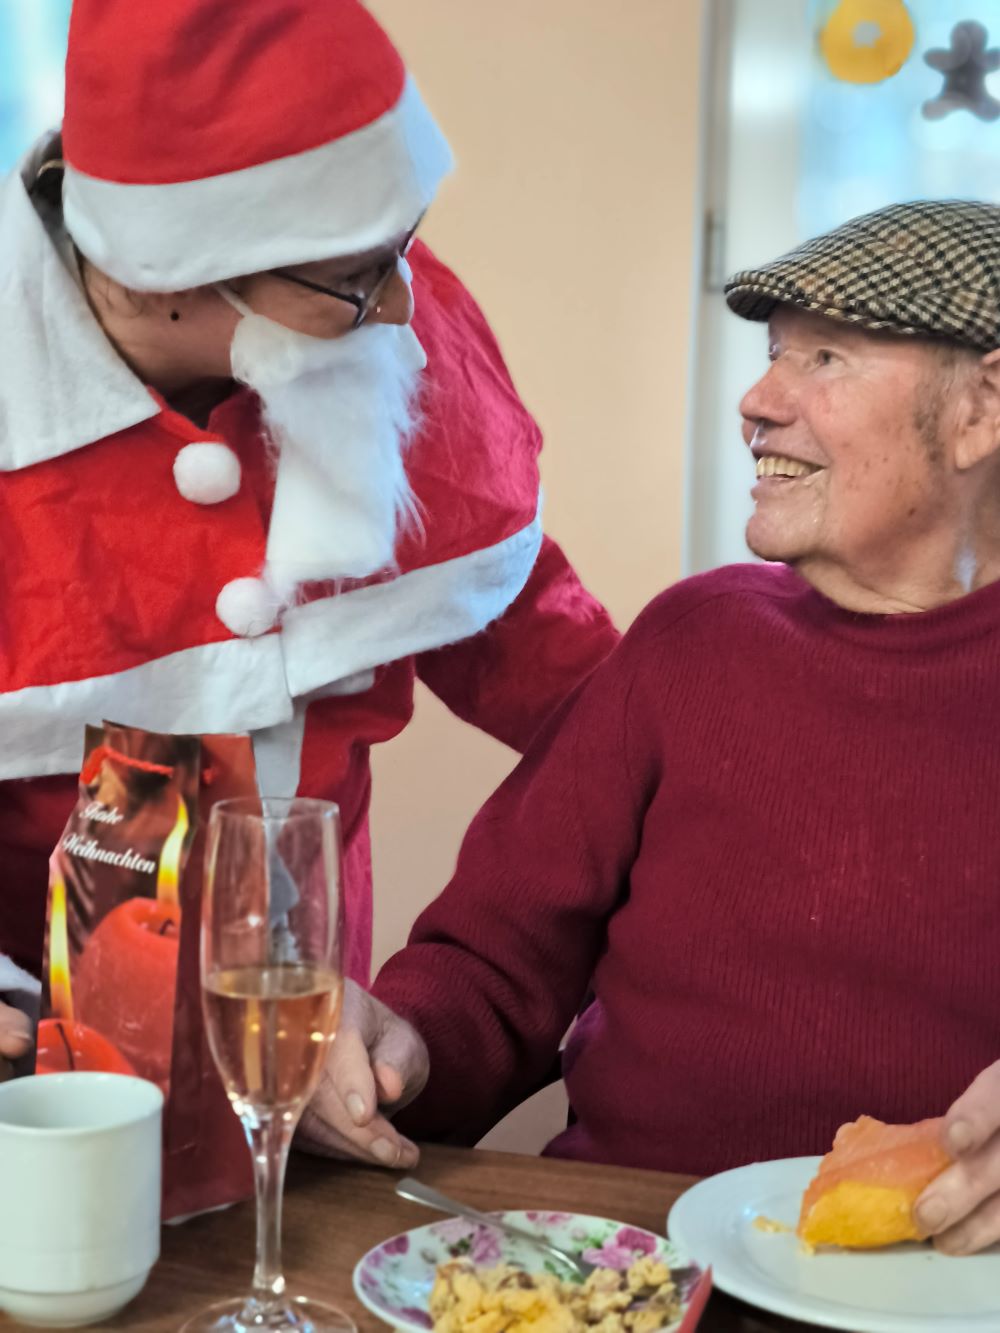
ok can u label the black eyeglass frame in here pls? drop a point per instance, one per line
(363, 304)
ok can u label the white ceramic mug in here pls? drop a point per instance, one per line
(80, 1159)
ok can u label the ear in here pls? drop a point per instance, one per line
(978, 426)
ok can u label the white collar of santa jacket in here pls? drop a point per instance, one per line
(64, 384)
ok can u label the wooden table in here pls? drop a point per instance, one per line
(334, 1212)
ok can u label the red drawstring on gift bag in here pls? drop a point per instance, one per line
(97, 756)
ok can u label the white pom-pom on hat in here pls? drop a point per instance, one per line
(247, 607)
(207, 472)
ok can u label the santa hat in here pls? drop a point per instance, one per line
(209, 138)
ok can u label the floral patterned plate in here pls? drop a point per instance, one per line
(394, 1280)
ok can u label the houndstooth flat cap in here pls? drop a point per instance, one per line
(929, 268)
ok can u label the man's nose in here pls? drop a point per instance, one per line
(769, 400)
(395, 305)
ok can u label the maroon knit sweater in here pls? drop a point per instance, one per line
(766, 833)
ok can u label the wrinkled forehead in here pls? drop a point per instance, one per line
(787, 319)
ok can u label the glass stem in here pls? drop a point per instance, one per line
(270, 1139)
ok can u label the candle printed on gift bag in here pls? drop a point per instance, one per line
(114, 909)
(63, 1044)
(121, 990)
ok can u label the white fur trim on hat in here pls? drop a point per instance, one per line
(347, 196)
(247, 607)
(207, 472)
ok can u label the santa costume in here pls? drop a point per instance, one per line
(226, 139)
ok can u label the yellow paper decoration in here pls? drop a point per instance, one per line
(855, 51)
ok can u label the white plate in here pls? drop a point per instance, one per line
(394, 1279)
(902, 1289)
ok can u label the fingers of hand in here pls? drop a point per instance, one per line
(388, 1084)
(342, 1117)
(347, 1077)
(373, 1057)
(956, 1208)
(959, 1191)
(15, 1032)
(977, 1230)
(975, 1117)
(399, 1060)
(334, 1135)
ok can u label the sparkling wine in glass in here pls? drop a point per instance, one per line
(271, 990)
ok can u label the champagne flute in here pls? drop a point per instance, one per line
(272, 985)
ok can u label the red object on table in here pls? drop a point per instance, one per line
(696, 1304)
(125, 980)
(64, 1046)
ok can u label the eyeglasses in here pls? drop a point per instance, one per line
(366, 299)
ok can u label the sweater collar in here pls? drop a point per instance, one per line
(945, 626)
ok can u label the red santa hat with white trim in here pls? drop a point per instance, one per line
(204, 139)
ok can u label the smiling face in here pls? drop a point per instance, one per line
(850, 431)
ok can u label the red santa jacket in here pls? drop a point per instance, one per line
(109, 577)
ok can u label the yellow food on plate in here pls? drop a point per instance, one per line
(863, 1194)
(469, 1299)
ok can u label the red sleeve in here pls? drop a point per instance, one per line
(496, 968)
(509, 679)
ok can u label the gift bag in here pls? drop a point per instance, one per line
(121, 986)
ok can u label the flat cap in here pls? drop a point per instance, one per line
(929, 269)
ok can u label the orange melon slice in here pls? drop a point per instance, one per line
(862, 1197)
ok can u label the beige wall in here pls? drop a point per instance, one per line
(571, 218)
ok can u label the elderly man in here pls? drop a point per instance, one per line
(232, 497)
(764, 833)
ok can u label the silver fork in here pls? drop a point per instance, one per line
(416, 1192)
(411, 1189)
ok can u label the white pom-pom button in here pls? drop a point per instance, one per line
(247, 607)
(207, 472)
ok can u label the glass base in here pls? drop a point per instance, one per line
(297, 1314)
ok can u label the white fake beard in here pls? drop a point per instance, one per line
(339, 413)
